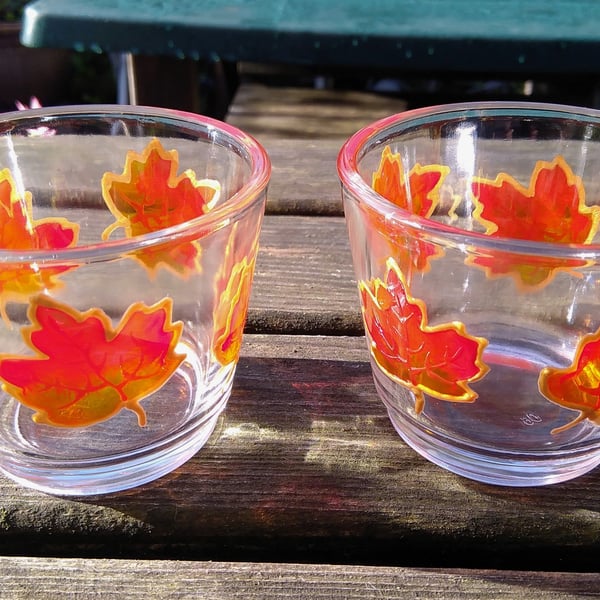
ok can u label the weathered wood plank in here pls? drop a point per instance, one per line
(303, 130)
(33, 578)
(304, 178)
(286, 112)
(305, 466)
(304, 281)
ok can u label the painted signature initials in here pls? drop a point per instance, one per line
(530, 419)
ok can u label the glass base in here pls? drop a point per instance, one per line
(485, 467)
(509, 435)
(116, 474)
(116, 454)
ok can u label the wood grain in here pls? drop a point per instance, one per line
(303, 130)
(304, 281)
(304, 179)
(306, 467)
(285, 112)
(42, 578)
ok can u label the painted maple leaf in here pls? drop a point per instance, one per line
(438, 360)
(418, 193)
(578, 386)
(20, 231)
(232, 290)
(231, 311)
(149, 196)
(233, 294)
(84, 370)
(551, 209)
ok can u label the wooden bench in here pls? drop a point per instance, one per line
(305, 490)
(311, 114)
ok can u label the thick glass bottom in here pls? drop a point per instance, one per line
(511, 434)
(117, 454)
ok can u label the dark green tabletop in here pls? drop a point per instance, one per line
(541, 36)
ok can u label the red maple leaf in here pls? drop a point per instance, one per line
(552, 209)
(85, 371)
(577, 386)
(231, 311)
(418, 193)
(20, 231)
(149, 196)
(438, 360)
(232, 291)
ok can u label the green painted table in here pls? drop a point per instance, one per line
(559, 37)
(425, 35)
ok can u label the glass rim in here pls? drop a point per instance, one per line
(219, 217)
(354, 148)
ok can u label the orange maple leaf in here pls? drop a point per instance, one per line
(85, 371)
(552, 209)
(438, 360)
(149, 196)
(233, 285)
(231, 311)
(20, 231)
(418, 193)
(578, 386)
(233, 294)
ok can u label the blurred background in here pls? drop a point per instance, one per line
(58, 76)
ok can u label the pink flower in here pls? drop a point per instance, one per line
(38, 131)
(33, 103)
